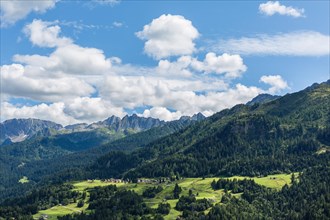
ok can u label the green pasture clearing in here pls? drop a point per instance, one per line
(276, 181)
(84, 185)
(24, 179)
(60, 210)
(201, 188)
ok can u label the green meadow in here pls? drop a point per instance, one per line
(201, 187)
(24, 179)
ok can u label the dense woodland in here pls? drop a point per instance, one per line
(288, 134)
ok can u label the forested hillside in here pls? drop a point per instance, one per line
(288, 134)
(57, 158)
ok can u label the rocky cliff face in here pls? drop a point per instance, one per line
(16, 130)
(133, 122)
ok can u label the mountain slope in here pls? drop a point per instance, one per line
(132, 122)
(45, 159)
(17, 130)
(283, 135)
(262, 98)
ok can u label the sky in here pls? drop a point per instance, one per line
(84, 61)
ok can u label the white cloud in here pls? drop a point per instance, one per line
(276, 82)
(70, 75)
(162, 113)
(79, 110)
(86, 109)
(169, 94)
(117, 24)
(107, 2)
(14, 10)
(178, 68)
(18, 83)
(70, 59)
(303, 43)
(231, 65)
(169, 35)
(53, 112)
(80, 60)
(272, 7)
(45, 34)
(91, 109)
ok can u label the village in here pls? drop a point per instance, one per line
(139, 180)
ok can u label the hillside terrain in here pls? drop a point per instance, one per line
(63, 156)
(18, 130)
(285, 135)
(201, 187)
(168, 170)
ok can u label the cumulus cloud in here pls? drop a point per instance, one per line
(117, 24)
(274, 7)
(162, 113)
(45, 34)
(169, 35)
(14, 10)
(303, 43)
(160, 93)
(179, 68)
(82, 109)
(18, 83)
(107, 2)
(53, 112)
(84, 85)
(231, 65)
(68, 58)
(91, 109)
(169, 94)
(276, 82)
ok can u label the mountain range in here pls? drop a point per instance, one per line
(18, 130)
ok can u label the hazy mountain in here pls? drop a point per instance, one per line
(76, 127)
(133, 123)
(17, 130)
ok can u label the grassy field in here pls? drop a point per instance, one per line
(24, 179)
(59, 210)
(201, 187)
(272, 181)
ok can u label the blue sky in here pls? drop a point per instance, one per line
(79, 61)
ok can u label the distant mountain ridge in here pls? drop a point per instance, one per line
(17, 130)
(133, 122)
